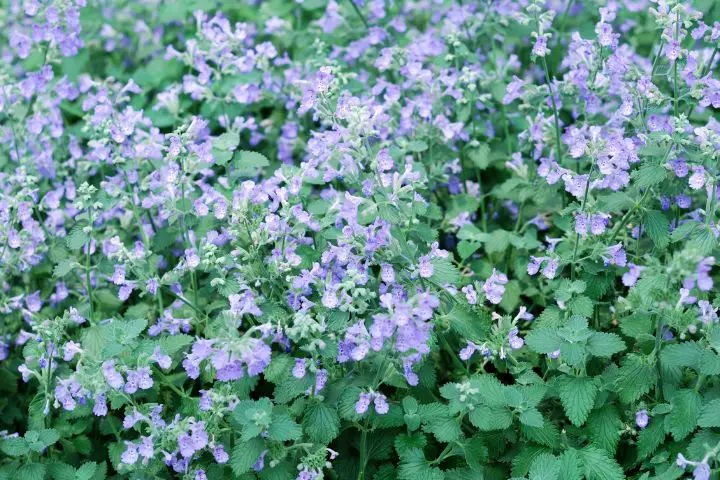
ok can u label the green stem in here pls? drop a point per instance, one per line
(556, 116)
(360, 14)
(582, 211)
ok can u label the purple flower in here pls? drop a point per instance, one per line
(164, 361)
(220, 454)
(494, 287)
(425, 268)
(540, 47)
(387, 273)
(672, 50)
(33, 302)
(641, 419)
(617, 255)
(298, 370)
(130, 455)
(515, 90)
(100, 408)
(697, 179)
(550, 269)
(361, 406)
(380, 403)
(631, 277)
(514, 340)
(702, 471)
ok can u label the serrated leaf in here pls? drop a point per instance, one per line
(247, 163)
(227, 141)
(284, 428)
(649, 175)
(63, 268)
(491, 418)
(577, 395)
(710, 414)
(635, 378)
(685, 412)
(651, 437)
(602, 344)
(414, 466)
(476, 454)
(532, 418)
(14, 446)
(321, 423)
(86, 471)
(245, 454)
(545, 467)
(684, 230)
(581, 305)
(604, 426)
(543, 340)
(657, 227)
(598, 465)
(32, 471)
(444, 271)
(685, 354)
(77, 238)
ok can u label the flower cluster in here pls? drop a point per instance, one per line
(359, 239)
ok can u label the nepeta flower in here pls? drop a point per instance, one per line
(641, 419)
(494, 287)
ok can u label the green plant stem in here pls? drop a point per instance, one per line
(360, 14)
(556, 115)
(88, 268)
(582, 211)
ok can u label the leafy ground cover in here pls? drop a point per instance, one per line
(359, 239)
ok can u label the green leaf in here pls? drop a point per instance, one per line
(417, 146)
(491, 418)
(704, 240)
(577, 395)
(604, 426)
(321, 423)
(532, 418)
(686, 354)
(283, 428)
(14, 446)
(569, 465)
(445, 430)
(247, 163)
(710, 415)
(86, 471)
(582, 306)
(444, 271)
(480, 156)
(32, 471)
(77, 238)
(227, 141)
(61, 471)
(63, 268)
(635, 378)
(651, 437)
(543, 340)
(598, 465)
(649, 175)
(685, 412)
(602, 344)
(545, 467)
(414, 466)
(245, 454)
(683, 230)
(657, 227)
(476, 454)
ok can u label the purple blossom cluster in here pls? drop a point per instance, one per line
(238, 224)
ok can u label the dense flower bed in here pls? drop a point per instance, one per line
(359, 239)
